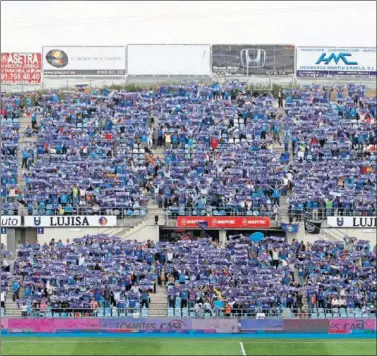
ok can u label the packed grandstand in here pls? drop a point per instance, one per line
(193, 150)
(92, 153)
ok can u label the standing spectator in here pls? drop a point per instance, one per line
(25, 156)
(280, 99)
(16, 291)
(3, 298)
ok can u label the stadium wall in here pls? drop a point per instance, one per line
(337, 234)
(178, 325)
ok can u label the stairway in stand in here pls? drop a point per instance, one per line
(23, 143)
(11, 308)
(158, 308)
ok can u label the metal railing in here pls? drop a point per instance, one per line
(165, 312)
(323, 213)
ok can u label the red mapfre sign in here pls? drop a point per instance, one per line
(225, 221)
(21, 68)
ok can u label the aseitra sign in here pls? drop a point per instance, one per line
(21, 68)
(70, 221)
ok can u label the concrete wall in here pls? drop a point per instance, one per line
(68, 233)
(147, 232)
(150, 232)
(359, 233)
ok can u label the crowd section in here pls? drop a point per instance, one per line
(227, 151)
(106, 276)
(9, 149)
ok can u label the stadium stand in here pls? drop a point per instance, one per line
(226, 152)
(110, 277)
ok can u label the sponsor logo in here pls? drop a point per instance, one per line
(253, 58)
(57, 58)
(102, 221)
(175, 324)
(339, 221)
(351, 325)
(10, 221)
(69, 221)
(37, 221)
(365, 222)
(336, 58)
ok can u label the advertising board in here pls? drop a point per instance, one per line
(69, 61)
(178, 325)
(224, 221)
(70, 221)
(21, 68)
(250, 325)
(10, 221)
(336, 61)
(352, 324)
(247, 60)
(352, 221)
(160, 59)
(119, 325)
(306, 325)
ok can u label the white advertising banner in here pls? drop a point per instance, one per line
(70, 221)
(66, 61)
(168, 59)
(336, 61)
(10, 221)
(352, 221)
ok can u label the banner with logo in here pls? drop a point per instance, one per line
(246, 60)
(90, 61)
(352, 221)
(224, 221)
(293, 228)
(10, 221)
(336, 61)
(21, 68)
(250, 325)
(306, 325)
(352, 324)
(70, 221)
(132, 325)
(312, 226)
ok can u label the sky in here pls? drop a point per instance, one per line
(26, 26)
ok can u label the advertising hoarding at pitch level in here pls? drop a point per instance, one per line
(66, 61)
(21, 68)
(336, 61)
(224, 221)
(70, 221)
(247, 60)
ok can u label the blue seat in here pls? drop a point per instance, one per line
(144, 312)
(170, 312)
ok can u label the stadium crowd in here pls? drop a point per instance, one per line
(222, 155)
(106, 276)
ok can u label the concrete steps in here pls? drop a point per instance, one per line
(11, 308)
(159, 303)
(23, 142)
